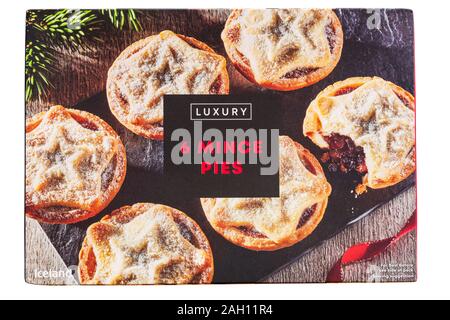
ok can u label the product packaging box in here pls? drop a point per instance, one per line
(220, 146)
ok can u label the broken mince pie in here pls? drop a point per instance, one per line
(268, 224)
(166, 63)
(366, 125)
(145, 244)
(75, 165)
(284, 49)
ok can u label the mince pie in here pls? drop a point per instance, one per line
(367, 126)
(268, 224)
(75, 165)
(284, 49)
(166, 63)
(145, 244)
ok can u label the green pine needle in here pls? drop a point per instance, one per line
(68, 28)
(118, 18)
(39, 62)
(48, 30)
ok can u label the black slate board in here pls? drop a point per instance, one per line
(387, 52)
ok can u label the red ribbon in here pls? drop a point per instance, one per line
(369, 250)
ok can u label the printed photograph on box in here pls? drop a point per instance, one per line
(219, 146)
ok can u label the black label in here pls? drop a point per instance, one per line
(221, 145)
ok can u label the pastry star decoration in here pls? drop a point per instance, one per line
(169, 66)
(278, 218)
(184, 69)
(150, 248)
(376, 119)
(70, 159)
(284, 29)
(287, 40)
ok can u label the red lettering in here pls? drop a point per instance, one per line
(230, 147)
(185, 149)
(225, 169)
(205, 167)
(244, 147)
(216, 168)
(258, 146)
(206, 147)
(237, 168)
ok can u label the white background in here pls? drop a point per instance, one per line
(432, 22)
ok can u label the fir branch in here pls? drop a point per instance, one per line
(68, 28)
(118, 18)
(39, 62)
(49, 30)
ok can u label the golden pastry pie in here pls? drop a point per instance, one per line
(75, 165)
(166, 63)
(145, 244)
(273, 223)
(284, 49)
(367, 125)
